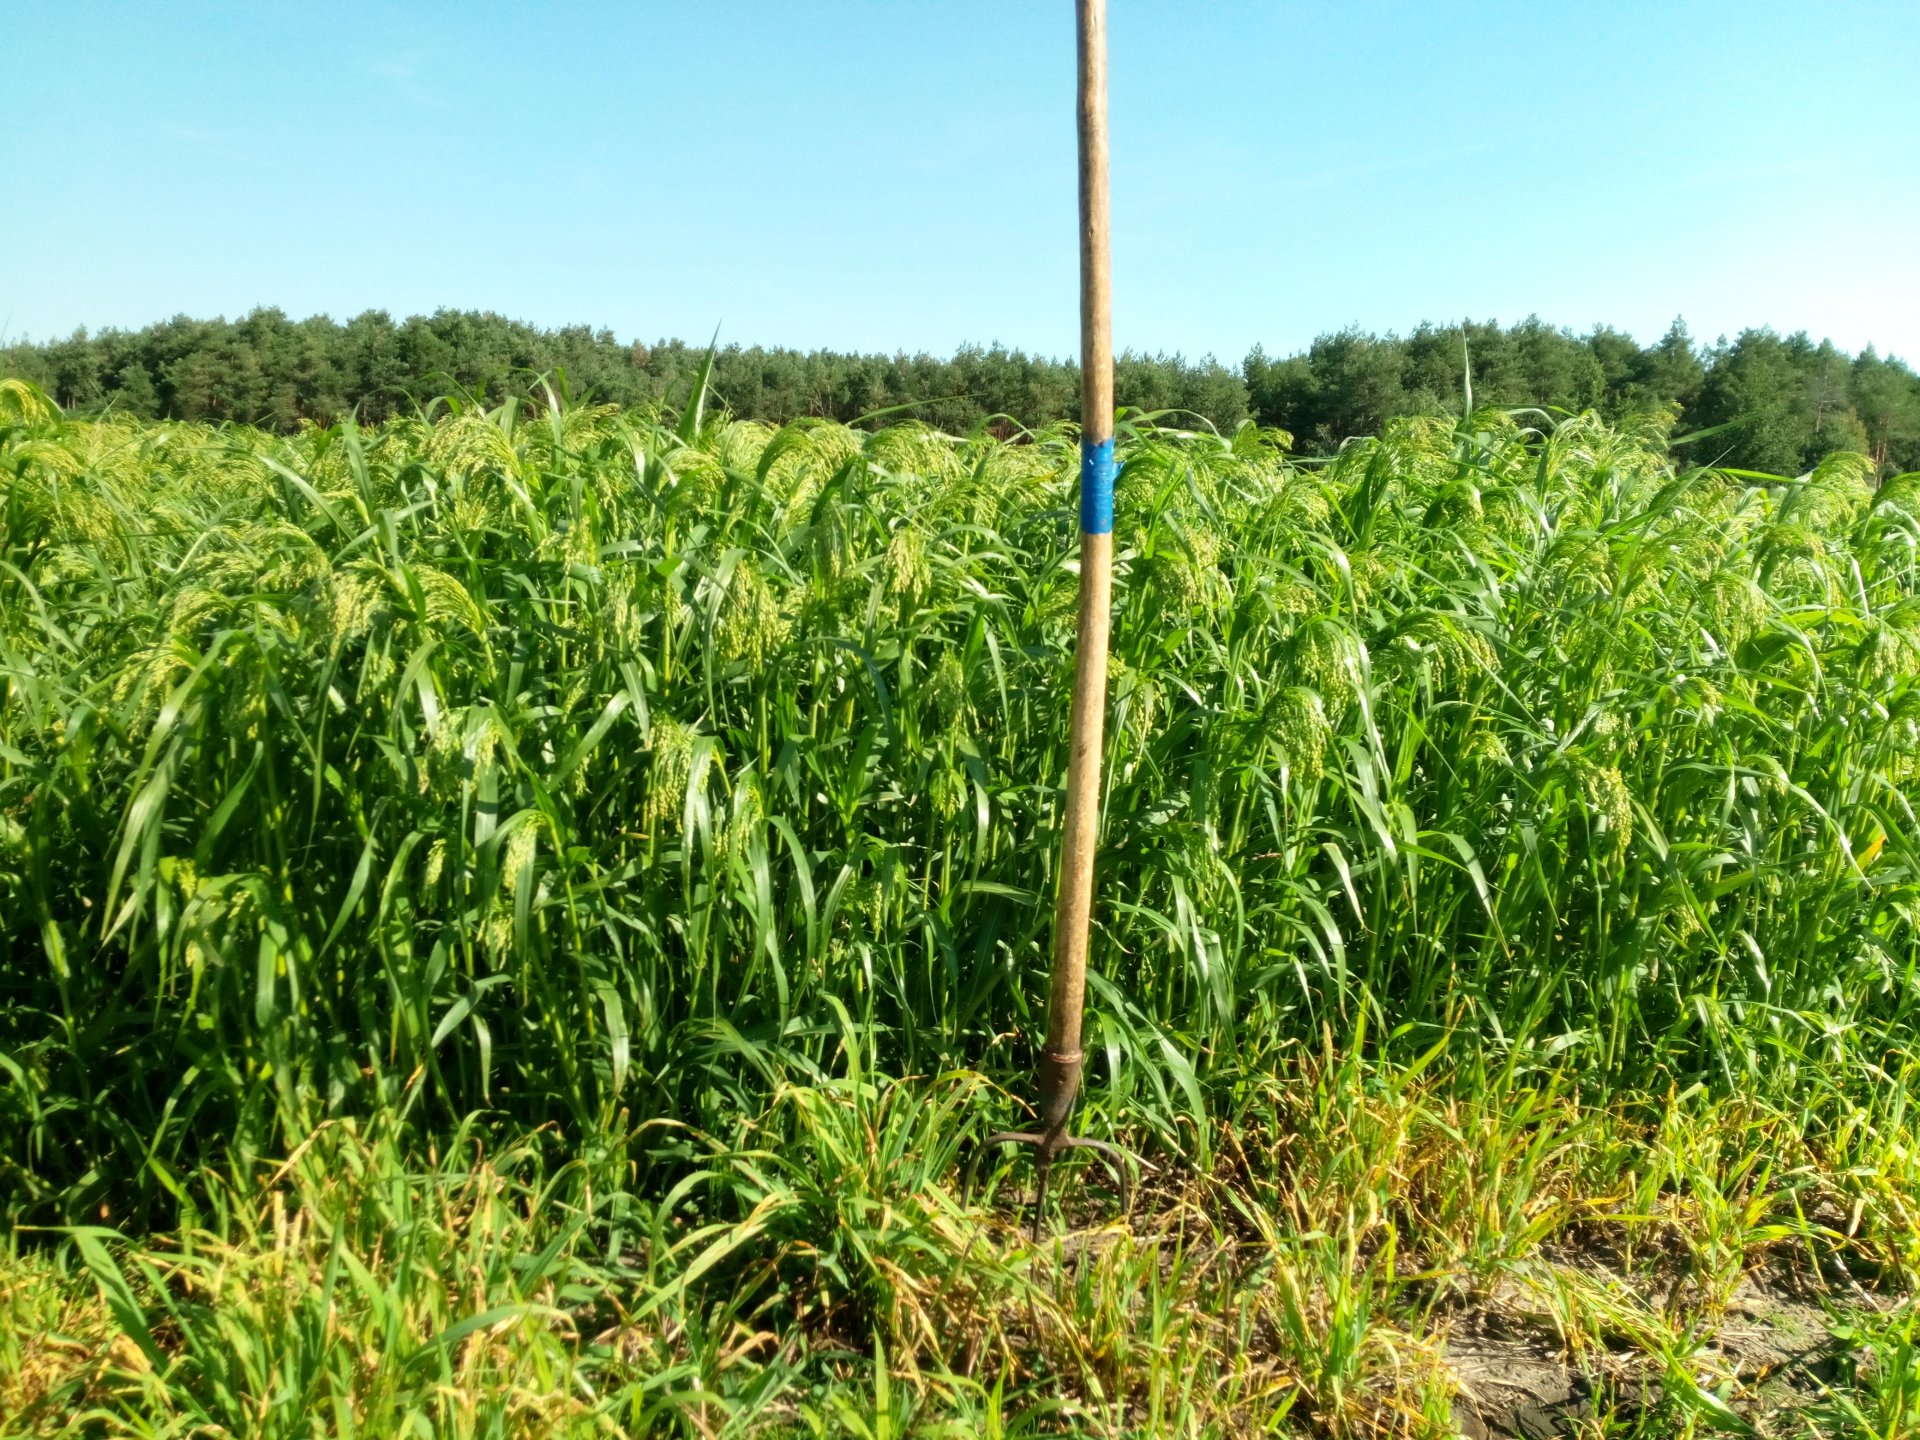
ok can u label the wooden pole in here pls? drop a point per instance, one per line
(1060, 1059)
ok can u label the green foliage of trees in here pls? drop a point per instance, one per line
(273, 372)
(1774, 403)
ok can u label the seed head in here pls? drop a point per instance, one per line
(518, 855)
(1483, 743)
(353, 603)
(1301, 730)
(1609, 805)
(947, 792)
(947, 691)
(907, 568)
(1326, 657)
(667, 778)
(751, 626)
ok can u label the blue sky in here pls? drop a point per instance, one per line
(900, 175)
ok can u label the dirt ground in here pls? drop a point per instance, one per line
(1519, 1374)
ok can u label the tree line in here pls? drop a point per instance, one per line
(1771, 402)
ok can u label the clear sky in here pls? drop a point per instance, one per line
(900, 175)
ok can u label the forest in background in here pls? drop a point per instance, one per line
(1773, 403)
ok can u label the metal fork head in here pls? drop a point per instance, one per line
(1047, 1146)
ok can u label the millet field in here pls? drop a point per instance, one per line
(516, 921)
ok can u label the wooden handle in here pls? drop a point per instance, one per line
(1074, 904)
(1096, 270)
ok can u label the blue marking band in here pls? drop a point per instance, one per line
(1096, 487)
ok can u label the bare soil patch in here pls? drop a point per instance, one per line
(1520, 1377)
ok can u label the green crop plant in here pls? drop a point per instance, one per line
(680, 792)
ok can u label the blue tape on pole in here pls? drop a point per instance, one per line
(1096, 487)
